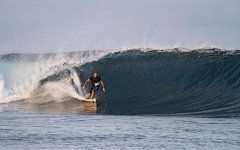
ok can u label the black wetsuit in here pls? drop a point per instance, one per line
(95, 83)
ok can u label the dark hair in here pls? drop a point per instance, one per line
(95, 72)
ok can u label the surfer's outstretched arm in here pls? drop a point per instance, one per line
(86, 83)
(102, 85)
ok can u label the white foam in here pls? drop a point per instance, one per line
(2, 91)
(5, 97)
(59, 91)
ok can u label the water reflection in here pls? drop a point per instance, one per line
(67, 107)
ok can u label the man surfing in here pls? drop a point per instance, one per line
(96, 80)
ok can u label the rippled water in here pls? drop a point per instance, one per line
(71, 131)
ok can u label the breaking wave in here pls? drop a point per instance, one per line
(138, 82)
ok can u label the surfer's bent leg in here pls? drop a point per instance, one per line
(88, 95)
(92, 91)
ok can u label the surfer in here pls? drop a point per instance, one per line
(96, 80)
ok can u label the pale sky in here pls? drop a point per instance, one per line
(75, 25)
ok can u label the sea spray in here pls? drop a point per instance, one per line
(2, 91)
(57, 92)
(5, 97)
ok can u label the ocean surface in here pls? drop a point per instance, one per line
(155, 99)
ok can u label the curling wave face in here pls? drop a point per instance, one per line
(138, 82)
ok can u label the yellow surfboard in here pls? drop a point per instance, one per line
(93, 100)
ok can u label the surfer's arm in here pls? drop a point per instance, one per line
(86, 83)
(102, 85)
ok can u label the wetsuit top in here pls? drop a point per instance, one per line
(95, 81)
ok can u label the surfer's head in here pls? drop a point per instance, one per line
(95, 74)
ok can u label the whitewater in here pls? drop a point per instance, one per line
(27, 70)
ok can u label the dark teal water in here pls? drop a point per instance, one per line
(196, 82)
